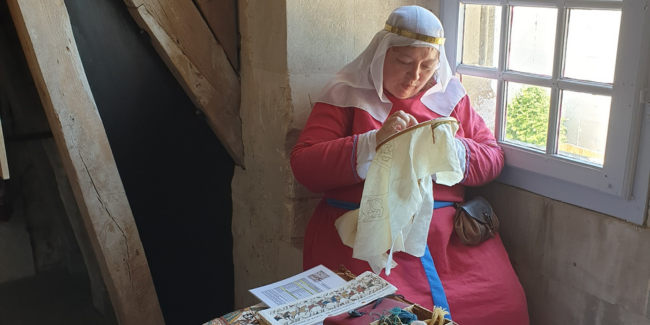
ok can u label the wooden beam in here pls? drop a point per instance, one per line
(97, 287)
(48, 42)
(221, 16)
(186, 44)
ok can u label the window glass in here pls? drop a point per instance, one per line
(532, 40)
(482, 94)
(583, 126)
(527, 114)
(592, 41)
(481, 35)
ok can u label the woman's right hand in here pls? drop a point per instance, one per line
(394, 124)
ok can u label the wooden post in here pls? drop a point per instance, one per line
(184, 41)
(46, 36)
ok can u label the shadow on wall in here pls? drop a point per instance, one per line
(175, 172)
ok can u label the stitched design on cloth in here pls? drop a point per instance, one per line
(385, 155)
(372, 209)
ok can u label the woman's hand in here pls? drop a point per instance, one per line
(394, 124)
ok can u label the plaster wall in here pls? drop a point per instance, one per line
(577, 266)
(289, 49)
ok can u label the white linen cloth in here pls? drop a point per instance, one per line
(367, 143)
(397, 201)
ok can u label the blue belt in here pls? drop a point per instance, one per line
(342, 204)
(437, 291)
(353, 206)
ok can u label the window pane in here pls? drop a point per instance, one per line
(482, 94)
(583, 126)
(532, 40)
(481, 34)
(591, 45)
(527, 115)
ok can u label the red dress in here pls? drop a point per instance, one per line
(480, 284)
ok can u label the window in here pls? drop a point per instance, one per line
(560, 83)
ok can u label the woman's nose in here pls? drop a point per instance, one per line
(414, 73)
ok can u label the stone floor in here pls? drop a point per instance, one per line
(53, 298)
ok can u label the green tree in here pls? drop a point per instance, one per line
(527, 117)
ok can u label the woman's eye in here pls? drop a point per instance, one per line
(404, 62)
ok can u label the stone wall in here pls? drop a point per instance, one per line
(289, 49)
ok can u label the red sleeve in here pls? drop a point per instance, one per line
(325, 156)
(484, 156)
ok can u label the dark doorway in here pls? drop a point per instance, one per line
(175, 172)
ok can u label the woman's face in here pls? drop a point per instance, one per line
(407, 69)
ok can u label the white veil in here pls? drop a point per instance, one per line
(360, 83)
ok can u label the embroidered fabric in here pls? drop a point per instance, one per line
(397, 201)
(367, 143)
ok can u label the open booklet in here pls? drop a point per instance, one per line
(300, 286)
(314, 309)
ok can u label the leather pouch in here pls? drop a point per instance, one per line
(475, 221)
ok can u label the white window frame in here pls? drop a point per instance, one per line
(619, 188)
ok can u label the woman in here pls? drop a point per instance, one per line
(403, 78)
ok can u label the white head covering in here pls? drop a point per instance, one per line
(360, 83)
